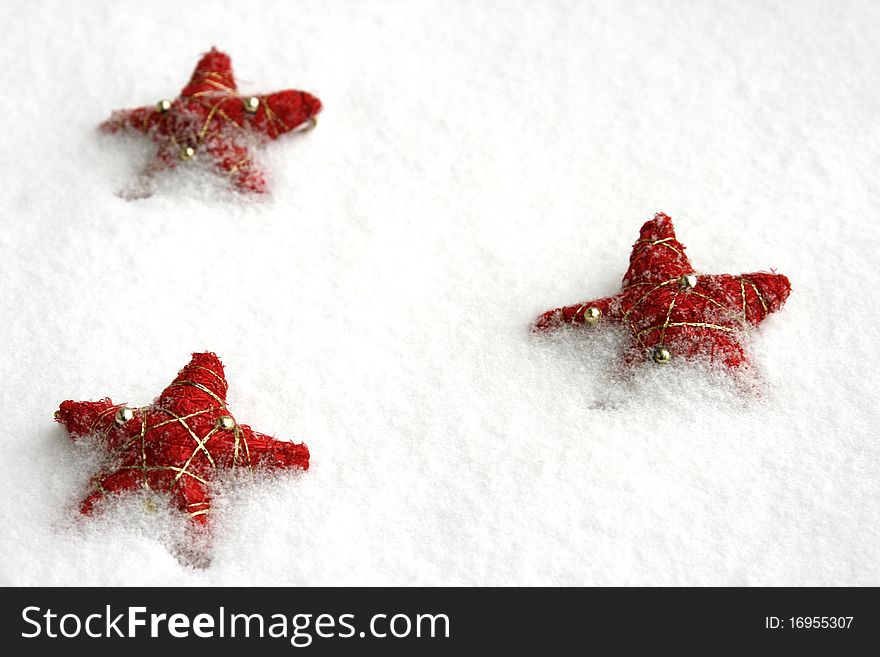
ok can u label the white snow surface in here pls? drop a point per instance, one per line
(475, 165)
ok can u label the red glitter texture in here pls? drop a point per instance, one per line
(663, 310)
(209, 118)
(176, 444)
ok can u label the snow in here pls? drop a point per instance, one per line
(475, 165)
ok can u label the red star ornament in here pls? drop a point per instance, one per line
(671, 310)
(177, 444)
(209, 120)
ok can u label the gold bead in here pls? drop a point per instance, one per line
(187, 153)
(151, 505)
(163, 106)
(251, 105)
(123, 415)
(225, 422)
(687, 281)
(592, 315)
(661, 355)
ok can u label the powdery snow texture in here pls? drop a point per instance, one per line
(474, 166)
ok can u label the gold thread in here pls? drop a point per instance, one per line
(707, 298)
(760, 297)
(717, 327)
(229, 119)
(208, 119)
(210, 371)
(173, 468)
(144, 448)
(193, 455)
(668, 316)
(669, 246)
(653, 242)
(632, 285)
(194, 384)
(219, 85)
(646, 295)
(632, 327)
(234, 169)
(235, 446)
(192, 433)
(650, 243)
(184, 417)
(247, 449)
(101, 415)
(270, 115)
(239, 440)
(126, 445)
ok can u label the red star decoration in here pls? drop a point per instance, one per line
(673, 311)
(209, 120)
(178, 443)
